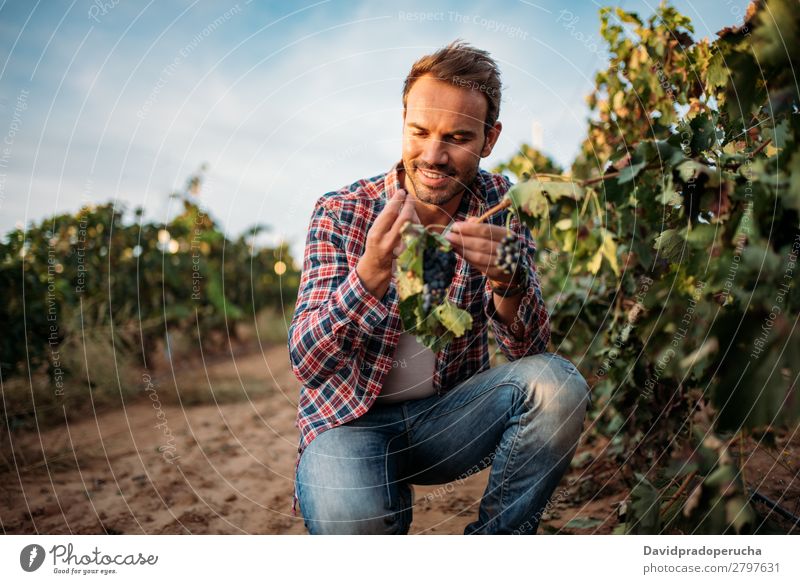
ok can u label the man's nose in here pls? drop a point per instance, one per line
(435, 153)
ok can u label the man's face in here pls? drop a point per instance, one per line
(444, 138)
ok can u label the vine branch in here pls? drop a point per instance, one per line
(679, 492)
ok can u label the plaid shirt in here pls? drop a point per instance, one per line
(342, 339)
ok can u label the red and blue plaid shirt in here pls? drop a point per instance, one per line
(342, 339)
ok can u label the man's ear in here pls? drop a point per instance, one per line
(491, 139)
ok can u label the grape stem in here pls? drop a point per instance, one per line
(504, 204)
(445, 227)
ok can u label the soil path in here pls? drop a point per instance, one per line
(232, 467)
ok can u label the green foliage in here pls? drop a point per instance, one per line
(654, 67)
(441, 323)
(713, 504)
(669, 255)
(75, 273)
(529, 162)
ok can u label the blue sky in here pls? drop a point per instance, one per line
(118, 100)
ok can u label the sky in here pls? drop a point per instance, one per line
(115, 100)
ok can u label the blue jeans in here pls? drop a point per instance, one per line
(524, 418)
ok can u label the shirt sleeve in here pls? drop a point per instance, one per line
(532, 313)
(334, 310)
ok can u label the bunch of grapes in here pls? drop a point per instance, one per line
(438, 268)
(508, 253)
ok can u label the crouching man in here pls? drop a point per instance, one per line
(380, 412)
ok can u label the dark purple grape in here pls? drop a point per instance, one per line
(508, 254)
(438, 268)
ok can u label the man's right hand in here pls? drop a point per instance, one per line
(383, 242)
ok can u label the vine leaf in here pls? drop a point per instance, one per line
(690, 171)
(628, 173)
(716, 74)
(439, 325)
(669, 244)
(531, 200)
(609, 251)
(594, 264)
(408, 283)
(454, 319)
(644, 509)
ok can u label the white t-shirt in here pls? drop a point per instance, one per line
(411, 375)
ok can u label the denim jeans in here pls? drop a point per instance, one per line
(524, 418)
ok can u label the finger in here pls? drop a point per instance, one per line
(482, 261)
(493, 232)
(406, 213)
(414, 216)
(478, 244)
(388, 215)
(399, 248)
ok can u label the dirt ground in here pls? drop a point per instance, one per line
(232, 466)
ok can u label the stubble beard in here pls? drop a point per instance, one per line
(439, 197)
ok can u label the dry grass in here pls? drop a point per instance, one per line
(103, 375)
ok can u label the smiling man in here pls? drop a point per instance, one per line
(380, 412)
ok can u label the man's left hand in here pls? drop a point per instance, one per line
(477, 243)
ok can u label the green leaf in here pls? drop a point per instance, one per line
(701, 236)
(528, 197)
(691, 171)
(628, 17)
(759, 257)
(704, 132)
(408, 283)
(780, 134)
(668, 195)
(597, 260)
(409, 313)
(441, 241)
(721, 477)
(717, 73)
(609, 251)
(453, 318)
(556, 190)
(755, 388)
(643, 515)
(630, 172)
(411, 257)
(669, 244)
(218, 300)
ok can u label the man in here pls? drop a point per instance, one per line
(378, 411)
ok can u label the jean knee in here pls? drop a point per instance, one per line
(557, 398)
(573, 386)
(338, 502)
(343, 514)
(552, 381)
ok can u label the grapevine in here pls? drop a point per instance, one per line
(676, 235)
(425, 270)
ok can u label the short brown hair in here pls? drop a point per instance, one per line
(461, 64)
